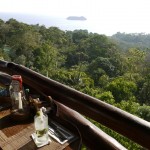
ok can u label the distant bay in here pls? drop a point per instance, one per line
(48, 21)
(61, 22)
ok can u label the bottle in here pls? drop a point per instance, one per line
(19, 109)
(41, 126)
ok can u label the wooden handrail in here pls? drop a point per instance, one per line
(5, 79)
(84, 128)
(124, 123)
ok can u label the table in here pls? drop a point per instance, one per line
(18, 135)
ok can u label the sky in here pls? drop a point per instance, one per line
(130, 16)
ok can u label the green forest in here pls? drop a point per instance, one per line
(113, 69)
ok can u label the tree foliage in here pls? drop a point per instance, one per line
(122, 89)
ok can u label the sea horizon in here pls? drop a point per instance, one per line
(94, 25)
(61, 22)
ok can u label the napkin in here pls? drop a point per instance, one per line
(38, 144)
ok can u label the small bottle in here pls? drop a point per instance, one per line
(19, 110)
(41, 126)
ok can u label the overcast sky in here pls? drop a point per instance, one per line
(116, 15)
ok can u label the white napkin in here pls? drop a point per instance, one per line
(38, 144)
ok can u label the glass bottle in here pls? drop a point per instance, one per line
(41, 126)
(20, 109)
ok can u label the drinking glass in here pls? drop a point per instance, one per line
(41, 128)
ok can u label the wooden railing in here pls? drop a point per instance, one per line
(114, 118)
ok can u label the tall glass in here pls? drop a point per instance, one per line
(41, 128)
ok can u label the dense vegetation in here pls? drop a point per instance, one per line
(91, 63)
(126, 41)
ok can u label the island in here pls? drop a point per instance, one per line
(80, 18)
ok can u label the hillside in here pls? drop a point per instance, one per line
(126, 41)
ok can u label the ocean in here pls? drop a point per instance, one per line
(61, 22)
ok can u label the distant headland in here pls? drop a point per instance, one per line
(80, 18)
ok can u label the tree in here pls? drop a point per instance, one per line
(135, 60)
(99, 67)
(144, 92)
(106, 97)
(47, 59)
(97, 46)
(79, 35)
(24, 44)
(1, 54)
(4, 32)
(144, 112)
(122, 89)
(147, 63)
(56, 37)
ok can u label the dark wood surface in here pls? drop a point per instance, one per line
(15, 135)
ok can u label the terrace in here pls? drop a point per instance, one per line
(69, 105)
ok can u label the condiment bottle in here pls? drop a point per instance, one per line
(20, 109)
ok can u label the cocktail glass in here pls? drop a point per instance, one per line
(41, 128)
